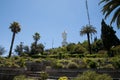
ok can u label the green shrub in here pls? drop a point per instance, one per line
(53, 63)
(59, 65)
(92, 64)
(81, 55)
(60, 56)
(116, 62)
(43, 76)
(91, 75)
(102, 54)
(38, 56)
(38, 61)
(8, 64)
(22, 62)
(116, 50)
(108, 66)
(64, 61)
(63, 78)
(72, 65)
(91, 56)
(20, 77)
(53, 56)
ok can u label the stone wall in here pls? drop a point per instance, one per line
(114, 73)
(35, 66)
(7, 73)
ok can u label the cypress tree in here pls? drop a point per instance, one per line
(108, 36)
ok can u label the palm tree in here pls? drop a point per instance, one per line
(112, 6)
(36, 37)
(15, 28)
(88, 29)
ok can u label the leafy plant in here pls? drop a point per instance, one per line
(63, 78)
(43, 76)
(91, 75)
(92, 64)
(20, 77)
(72, 65)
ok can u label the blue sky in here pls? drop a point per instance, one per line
(49, 18)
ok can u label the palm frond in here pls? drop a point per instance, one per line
(116, 18)
(110, 7)
(118, 23)
(87, 29)
(103, 1)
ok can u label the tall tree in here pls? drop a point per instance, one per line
(39, 48)
(22, 50)
(15, 28)
(87, 30)
(108, 36)
(19, 48)
(36, 37)
(110, 7)
(2, 50)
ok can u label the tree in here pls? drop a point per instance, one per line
(73, 48)
(22, 50)
(97, 45)
(19, 49)
(2, 50)
(79, 49)
(88, 29)
(70, 48)
(38, 49)
(15, 28)
(36, 37)
(26, 49)
(110, 7)
(108, 36)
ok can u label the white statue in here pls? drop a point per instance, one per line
(64, 36)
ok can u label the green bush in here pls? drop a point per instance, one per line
(116, 62)
(38, 61)
(92, 64)
(91, 75)
(20, 77)
(53, 56)
(38, 56)
(59, 65)
(108, 66)
(22, 62)
(72, 65)
(102, 54)
(43, 76)
(63, 78)
(91, 56)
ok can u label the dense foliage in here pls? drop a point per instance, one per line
(108, 36)
(91, 75)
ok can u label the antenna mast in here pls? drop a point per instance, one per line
(88, 15)
(87, 12)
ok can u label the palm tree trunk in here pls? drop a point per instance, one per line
(35, 44)
(13, 37)
(88, 36)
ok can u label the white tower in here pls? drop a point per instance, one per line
(64, 36)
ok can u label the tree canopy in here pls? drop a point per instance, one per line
(108, 36)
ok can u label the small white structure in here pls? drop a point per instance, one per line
(64, 36)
